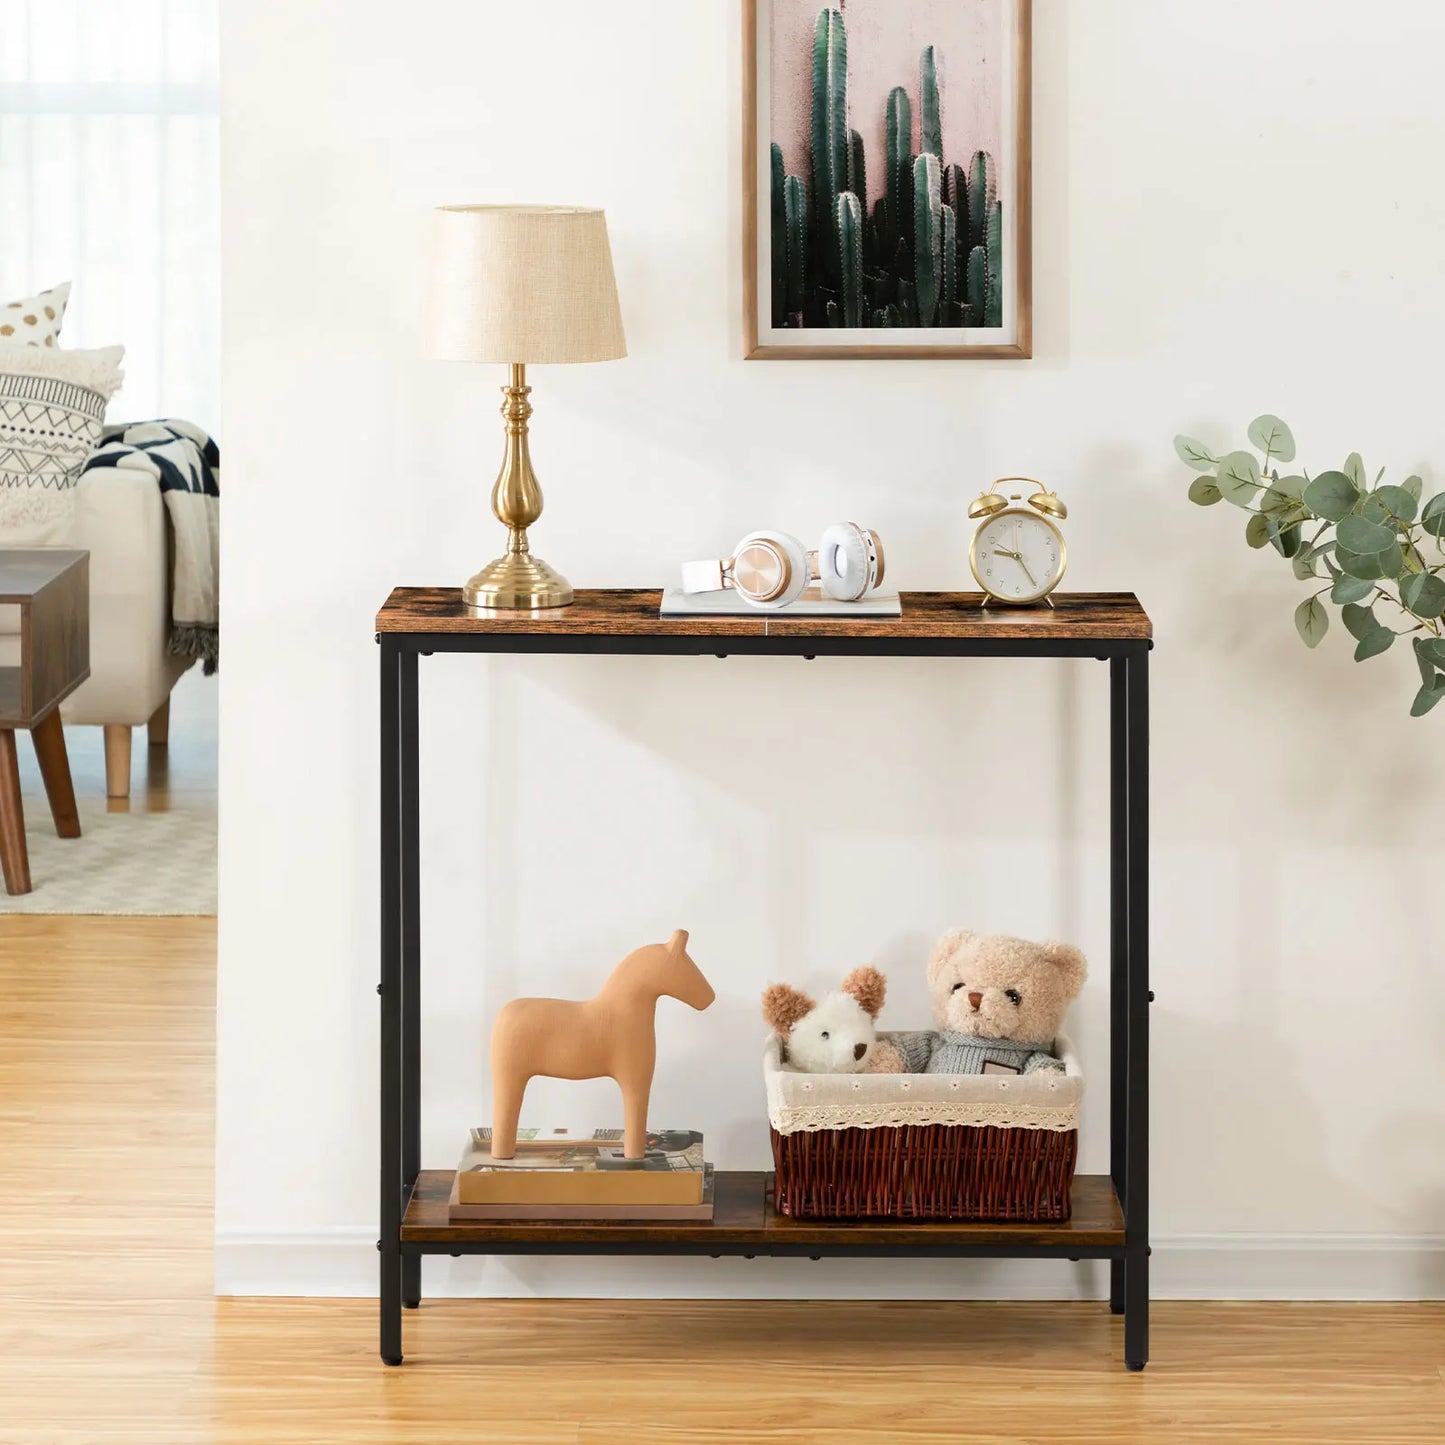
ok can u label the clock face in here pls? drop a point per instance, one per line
(1018, 556)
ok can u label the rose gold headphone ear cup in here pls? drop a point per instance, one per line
(878, 553)
(770, 569)
(759, 568)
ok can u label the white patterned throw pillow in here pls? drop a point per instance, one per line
(35, 320)
(52, 408)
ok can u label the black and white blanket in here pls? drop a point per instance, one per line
(186, 464)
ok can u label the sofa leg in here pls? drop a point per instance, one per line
(117, 760)
(158, 729)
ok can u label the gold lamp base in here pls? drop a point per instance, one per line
(517, 581)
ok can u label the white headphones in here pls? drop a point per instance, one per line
(772, 569)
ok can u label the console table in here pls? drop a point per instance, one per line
(1110, 1218)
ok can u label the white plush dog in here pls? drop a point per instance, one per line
(836, 1036)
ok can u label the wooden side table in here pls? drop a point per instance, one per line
(52, 588)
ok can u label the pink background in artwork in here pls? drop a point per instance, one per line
(885, 40)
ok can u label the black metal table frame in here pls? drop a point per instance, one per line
(400, 986)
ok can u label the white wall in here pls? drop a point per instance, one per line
(1238, 208)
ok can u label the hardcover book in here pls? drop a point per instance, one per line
(557, 1167)
(701, 1212)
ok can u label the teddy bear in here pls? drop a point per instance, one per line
(998, 1003)
(835, 1036)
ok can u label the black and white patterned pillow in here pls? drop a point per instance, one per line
(52, 409)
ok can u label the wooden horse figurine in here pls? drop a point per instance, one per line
(610, 1035)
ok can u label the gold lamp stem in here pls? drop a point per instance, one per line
(517, 579)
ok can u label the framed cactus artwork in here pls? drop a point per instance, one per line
(886, 194)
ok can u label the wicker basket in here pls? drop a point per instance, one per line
(924, 1146)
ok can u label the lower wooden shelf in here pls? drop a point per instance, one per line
(744, 1222)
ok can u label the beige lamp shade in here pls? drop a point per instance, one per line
(522, 284)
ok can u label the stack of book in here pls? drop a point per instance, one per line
(556, 1174)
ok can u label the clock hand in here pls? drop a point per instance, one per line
(999, 552)
(1025, 566)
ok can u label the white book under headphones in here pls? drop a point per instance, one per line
(773, 572)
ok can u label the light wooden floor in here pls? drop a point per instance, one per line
(108, 1331)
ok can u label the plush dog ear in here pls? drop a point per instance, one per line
(1072, 967)
(869, 987)
(946, 949)
(783, 1006)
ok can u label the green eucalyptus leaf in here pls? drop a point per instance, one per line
(1287, 541)
(1311, 621)
(1432, 518)
(1414, 486)
(1427, 667)
(1239, 479)
(1372, 644)
(1291, 487)
(1357, 535)
(1391, 561)
(1350, 589)
(1355, 471)
(1359, 621)
(1195, 453)
(1433, 648)
(1272, 437)
(1303, 563)
(1282, 521)
(1424, 594)
(1332, 495)
(1354, 565)
(1375, 566)
(1389, 506)
(1203, 491)
(1425, 699)
(1256, 530)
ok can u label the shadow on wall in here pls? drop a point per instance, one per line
(1256, 1140)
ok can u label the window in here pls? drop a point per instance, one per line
(109, 178)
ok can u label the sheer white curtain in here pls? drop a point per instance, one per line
(109, 178)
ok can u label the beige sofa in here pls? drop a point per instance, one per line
(120, 519)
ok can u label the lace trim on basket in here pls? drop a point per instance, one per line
(794, 1120)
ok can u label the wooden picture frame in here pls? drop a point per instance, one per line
(803, 334)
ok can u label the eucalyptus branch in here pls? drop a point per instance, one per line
(1378, 533)
(1389, 597)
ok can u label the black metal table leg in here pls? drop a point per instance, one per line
(1118, 951)
(1136, 1215)
(410, 965)
(389, 1245)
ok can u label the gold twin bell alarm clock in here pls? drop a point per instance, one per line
(1018, 554)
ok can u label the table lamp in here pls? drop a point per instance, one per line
(513, 285)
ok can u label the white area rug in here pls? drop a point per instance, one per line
(155, 863)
